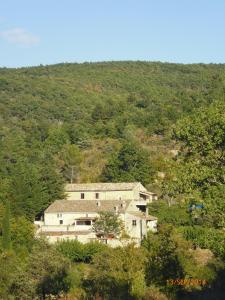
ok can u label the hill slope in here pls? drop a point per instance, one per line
(55, 117)
(110, 95)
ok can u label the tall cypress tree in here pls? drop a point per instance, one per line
(6, 233)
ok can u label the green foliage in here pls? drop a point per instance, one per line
(30, 179)
(206, 238)
(176, 214)
(114, 273)
(22, 232)
(57, 138)
(75, 278)
(154, 293)
(108, 224)
(46, 111)
(130, 164)
(163, 261)
(48, 270)
(6, 231)
(9, 269)
(170, 256)
(78, 252)
(199, 172)
(214, 200)
(70, 158)
(43, 271)
(138, 286)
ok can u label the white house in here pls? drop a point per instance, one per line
(73, 217)
(108, 191)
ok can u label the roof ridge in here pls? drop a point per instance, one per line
(86, 205)
(101, 186)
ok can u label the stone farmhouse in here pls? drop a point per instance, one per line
(73, 217)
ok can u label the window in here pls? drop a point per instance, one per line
(82, 195)
(116, 208)
(60, 221)
(134, 222)
(96, 195)
(59, 215)
(84, 222)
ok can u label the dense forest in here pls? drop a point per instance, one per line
(159, 123)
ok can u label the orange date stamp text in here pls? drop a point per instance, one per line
(187, 281)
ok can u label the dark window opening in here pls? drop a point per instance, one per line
(60, 221)
(142, 208)
(82, 195)
(96, 195)
(134, 222)
(83, 222)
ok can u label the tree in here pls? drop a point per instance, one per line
(71, 158)
(57, 137)
(176, 214)
(42, 272)
(108, 224)
(203, 138)
(9, 266)
(79, 252)
(200, 167)
(6, 232)
(48, 270)
(119, 273)
(163, 261)
(22, 232)
(130, 163)
(26, 190)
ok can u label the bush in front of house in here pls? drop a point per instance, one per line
(78, 252)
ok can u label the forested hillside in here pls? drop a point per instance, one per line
(56, 117)
(159, 123)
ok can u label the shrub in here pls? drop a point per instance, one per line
(78, 252)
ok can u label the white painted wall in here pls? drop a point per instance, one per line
(103, 195)
(68, 218)
(152, 225)
(86, 238)
(108, 195)
(89, 238)
(141, 227)
(134, 231)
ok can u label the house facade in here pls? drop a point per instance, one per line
(73, 217)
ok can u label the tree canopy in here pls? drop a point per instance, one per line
(130, 163)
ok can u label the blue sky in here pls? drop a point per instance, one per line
(54, 31)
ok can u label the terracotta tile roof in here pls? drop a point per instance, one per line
(106, 186)
(87, 206)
